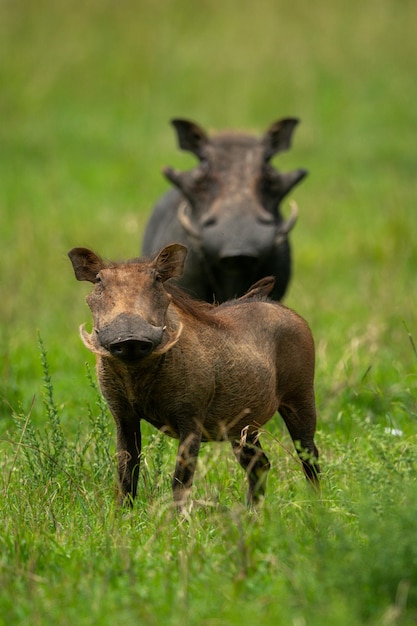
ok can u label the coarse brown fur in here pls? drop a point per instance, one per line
(196, 371)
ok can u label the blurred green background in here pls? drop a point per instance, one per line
(87, 90)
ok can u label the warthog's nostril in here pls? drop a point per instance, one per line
(238, 263)
(131, 350)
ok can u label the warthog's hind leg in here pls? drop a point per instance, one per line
(301, 424)
(254, 461)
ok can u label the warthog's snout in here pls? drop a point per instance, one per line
(238, 262)
(131, 350)
(130, 338)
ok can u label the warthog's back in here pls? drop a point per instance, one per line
(238, 368)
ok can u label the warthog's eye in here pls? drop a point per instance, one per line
(98, 282)
(208, 221)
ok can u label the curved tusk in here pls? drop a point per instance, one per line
(288, 225)
(88, 341)
(185, 221)
(172, 341)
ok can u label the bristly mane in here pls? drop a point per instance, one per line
(201, 310)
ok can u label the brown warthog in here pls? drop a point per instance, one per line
(196, 371)
(227, 211)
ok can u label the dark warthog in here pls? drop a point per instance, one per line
(196, 371)
(227, 211)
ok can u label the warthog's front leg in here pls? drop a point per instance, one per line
(129, 446)
(188, 450)
(254, 461)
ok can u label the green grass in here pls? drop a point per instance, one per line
(86, 93)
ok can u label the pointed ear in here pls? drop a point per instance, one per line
(86, 264)
(169, 263)
(278, 136)
(191, 137)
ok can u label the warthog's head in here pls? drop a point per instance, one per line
(129, 303)
(233, 194)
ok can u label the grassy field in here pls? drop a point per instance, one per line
(87, 90)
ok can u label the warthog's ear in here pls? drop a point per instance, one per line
(191, 137)
(86, 264)
(278, 136)
(259, 290)
(169, 263)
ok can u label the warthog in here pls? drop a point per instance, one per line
(196, 371)
(227, 211)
